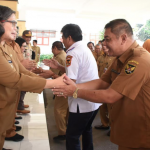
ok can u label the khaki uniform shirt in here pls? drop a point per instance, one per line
(94, 54)
(103, 62)
(61, 58)
(17, 49)
(13, 79)
(36, 49)
(129, 75)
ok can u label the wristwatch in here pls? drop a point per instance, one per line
(75, 94)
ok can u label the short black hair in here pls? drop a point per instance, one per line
(5, 13)
(72, 30)
(20, 41)
(35, 41)
(118, 26)
(90, 43)
(58, 45)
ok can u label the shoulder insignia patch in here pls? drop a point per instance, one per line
(129, 69)
(68, 60)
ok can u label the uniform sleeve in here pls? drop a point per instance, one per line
(72, 66)
(56, 71)
(131, 79)
(23, 70)
(10, 78)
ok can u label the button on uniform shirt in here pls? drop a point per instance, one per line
(82, 67)
(129, 75)
(103, 62)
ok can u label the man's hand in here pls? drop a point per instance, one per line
(29, 64)
(52, 63)
(46, 74)
(38, 70)
(65, 90)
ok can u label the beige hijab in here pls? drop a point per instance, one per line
(146, 45)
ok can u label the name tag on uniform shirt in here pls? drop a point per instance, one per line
(115, 71)
(9, 61)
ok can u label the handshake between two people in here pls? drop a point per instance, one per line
(60, 85)
(65, 86)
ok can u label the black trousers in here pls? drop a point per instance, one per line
(21, 101)
(80, 124)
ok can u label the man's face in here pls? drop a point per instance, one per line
(97, 48)
(105, 50)
(91, 47)
(34, 43)
(27, 39)
(112, 43)
(66, 42)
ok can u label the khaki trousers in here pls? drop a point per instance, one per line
(104, 115)
(11, 132)
(2, 139)
(61, 114)
(125, 148)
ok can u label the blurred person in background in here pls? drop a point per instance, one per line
(90, 45)
(36, 49)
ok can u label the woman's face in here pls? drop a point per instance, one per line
(10, 28)
(23, 47)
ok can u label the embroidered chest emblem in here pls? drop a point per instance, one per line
(129, 68)
(68, 60)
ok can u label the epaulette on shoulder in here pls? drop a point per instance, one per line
(138, 51)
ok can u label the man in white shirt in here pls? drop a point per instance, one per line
(80, 67)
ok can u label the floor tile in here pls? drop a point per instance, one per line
(35, 134)
(35, 145)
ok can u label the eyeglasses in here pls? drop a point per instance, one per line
(14, 23)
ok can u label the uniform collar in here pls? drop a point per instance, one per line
(129, 52)
(61, 52)
(5, 47)
(73, 46)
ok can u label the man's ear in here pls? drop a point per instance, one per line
(69, 37)
(123, 38)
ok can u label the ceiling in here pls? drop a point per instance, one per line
(135, 11)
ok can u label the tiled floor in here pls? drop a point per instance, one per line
(34, 127)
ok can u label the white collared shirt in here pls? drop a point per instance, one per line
(81, 67)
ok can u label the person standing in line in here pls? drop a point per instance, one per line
(14, 77)
(80, 67)
(60, 103)
(103, 63)
(36, 49)
(125, 85)
(11, 134)
(146, 45)
(90, 45)
(27, 34)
